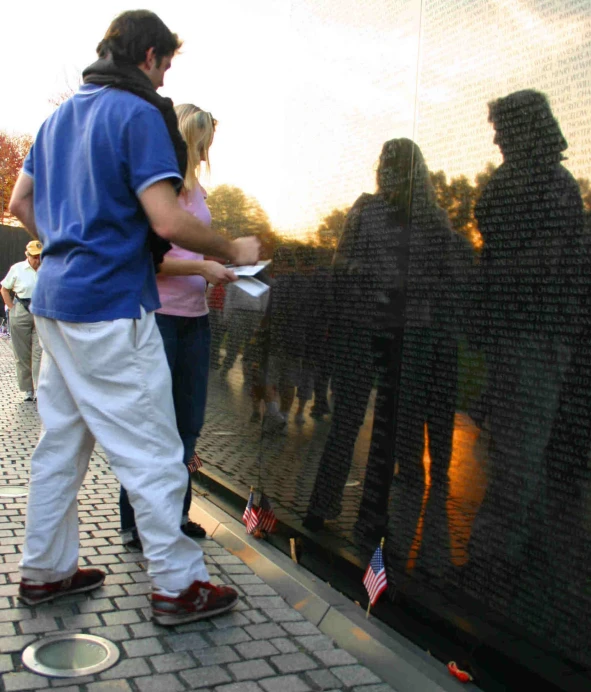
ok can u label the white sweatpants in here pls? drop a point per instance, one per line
(108, 381)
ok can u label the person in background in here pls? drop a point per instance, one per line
(98, 185)
(183, 316)
(21, 280)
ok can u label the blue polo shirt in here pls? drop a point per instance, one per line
(90, 161)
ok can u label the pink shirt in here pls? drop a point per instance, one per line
(184, 296)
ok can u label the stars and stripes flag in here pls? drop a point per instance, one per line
(267, 518)
(251, 514)
(374, 579)
(195, 463)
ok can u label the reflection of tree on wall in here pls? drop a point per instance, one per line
(235, 214)
(459, 197)
(330, 228)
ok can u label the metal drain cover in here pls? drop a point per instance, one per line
(7, 490)
(70, 655)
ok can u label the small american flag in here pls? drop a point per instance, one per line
(249, 508)
(195, 463)
(253, 520)
(374, 579)
(267, 518)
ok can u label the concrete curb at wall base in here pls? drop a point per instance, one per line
(396, 660)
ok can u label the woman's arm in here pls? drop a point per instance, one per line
(213, 272)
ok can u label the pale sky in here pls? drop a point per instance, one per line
(306, 91)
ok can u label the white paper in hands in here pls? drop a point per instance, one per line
(252, 286)
(250, 269)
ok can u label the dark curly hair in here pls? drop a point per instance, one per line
(133, 33)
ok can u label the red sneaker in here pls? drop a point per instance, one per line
(201, 600)
(33, 593)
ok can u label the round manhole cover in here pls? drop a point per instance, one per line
(70, 655)
(13, 490)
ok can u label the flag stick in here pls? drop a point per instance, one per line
(382, 543)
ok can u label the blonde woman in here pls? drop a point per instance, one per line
(183, 316)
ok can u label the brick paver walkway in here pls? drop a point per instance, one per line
(262, 646)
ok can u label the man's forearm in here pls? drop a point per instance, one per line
(6, 297)
(190, 233)
(21, 204)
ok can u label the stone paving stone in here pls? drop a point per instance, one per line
(137, 589)
(255, 616)
(10, 644)
(146, 629)
(7, 629)
(205, 677)
(300, 628)
(230, 635)
(335, 657)
(216, 655)
(322, 679)
(258, 590)
(73, 622)
(236, 569)
(267, 602)
(257, 649)
(285, 683)
(116, 633)
(170, 663)
(109, 686)
(108, 591)
(99, 605)
(23, 681)
(284, 645)
(119, 579)
(143, 647)
(160, 683)
(38, 625)
(15, 615)
(130, 602)
(128, 668)
(316, 642)
(354, 675)
(251, 670)
(293, 663)
(185, 642)
(382, 687)
(239, 687)
(241, 579)
(266, 630)
(123, 617)
(6, 663)
(227, 560)
(233, 619)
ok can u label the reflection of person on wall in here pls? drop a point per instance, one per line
(215, 301)
(415, 352)
(531, 220)
(21, 280)
(287, 309)
(312, 263)
(242, 315)
(370, 278)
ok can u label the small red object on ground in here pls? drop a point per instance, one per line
(461, 675)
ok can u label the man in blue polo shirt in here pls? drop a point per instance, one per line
(100, 178)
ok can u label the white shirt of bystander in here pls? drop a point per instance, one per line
(21, 279)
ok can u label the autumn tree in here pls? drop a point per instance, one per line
(330, 228)
(13, 150)
(235, 214)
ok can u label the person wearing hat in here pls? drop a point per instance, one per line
(17, 289)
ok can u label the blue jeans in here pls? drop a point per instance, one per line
(187, 344)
